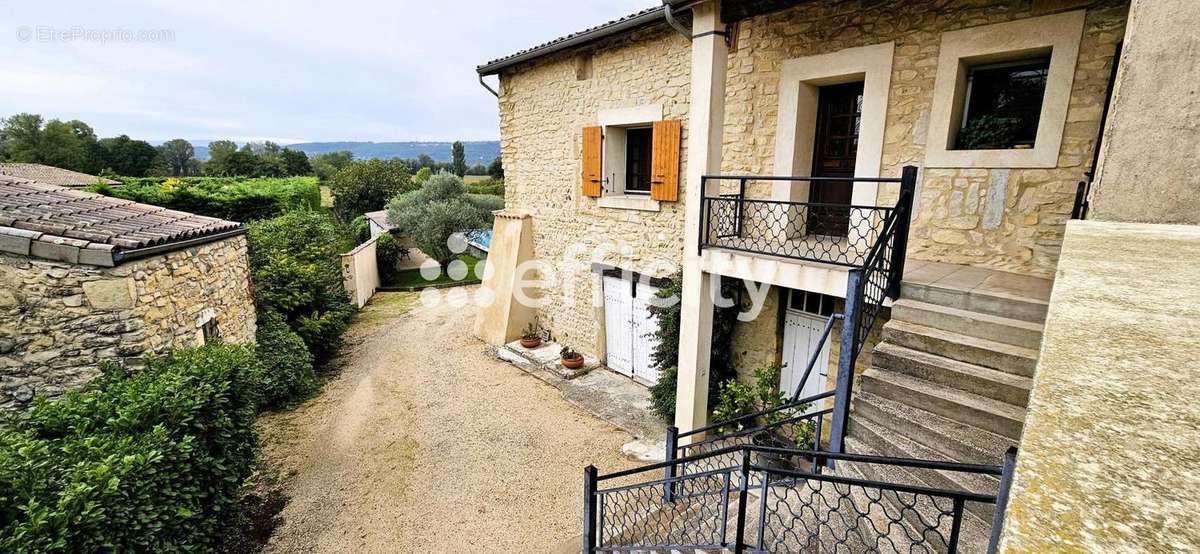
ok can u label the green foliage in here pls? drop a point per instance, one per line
(988, 132)
(496, 169)
(387, 256)
(125, 156)
(286, 365)
(143, 462)
(666, 355)
(736, 399)
(367, 186)
(490, 186)
(458, 159)
(422, 175)
(327, 164)
(295, 269)
(179, 157)
(67, 144)
(224, 197)
(440, 208)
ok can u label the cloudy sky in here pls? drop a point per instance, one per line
(289, 71)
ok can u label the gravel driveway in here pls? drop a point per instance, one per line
(424, 443)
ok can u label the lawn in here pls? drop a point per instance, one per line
(413, 277)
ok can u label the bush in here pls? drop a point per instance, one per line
(440, 208)
(666, 355)
(152, 461)
(387, 257)
(295, 270)
(224, 197)
(367, 186)
(494, 187)
(286, 372)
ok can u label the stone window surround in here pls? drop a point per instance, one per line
(614, 121)
(1059, 33)
(800, 80)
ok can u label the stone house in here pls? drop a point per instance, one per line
(86, 278)
(910, 168)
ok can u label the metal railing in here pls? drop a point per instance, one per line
(747, 505)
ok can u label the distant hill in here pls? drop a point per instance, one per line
(477, 151)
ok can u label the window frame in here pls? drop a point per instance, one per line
(1057, 36)
(969, 93)
(615, 122)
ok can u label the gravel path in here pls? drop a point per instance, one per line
(426, 444)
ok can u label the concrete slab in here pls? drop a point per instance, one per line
(927, 272)
(964, 278)
(981, 280)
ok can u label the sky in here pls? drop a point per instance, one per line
(287, 71)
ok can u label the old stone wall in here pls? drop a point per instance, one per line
(58, 321)
(543, 108)
(1008, 219)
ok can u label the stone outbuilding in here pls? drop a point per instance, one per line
(86, 279)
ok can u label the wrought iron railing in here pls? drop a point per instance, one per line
(748, 506)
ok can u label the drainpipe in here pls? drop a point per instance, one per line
(489, 88)
(674, 23)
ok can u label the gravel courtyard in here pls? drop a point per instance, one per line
(424, 443)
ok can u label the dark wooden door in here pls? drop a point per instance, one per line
(839, 117)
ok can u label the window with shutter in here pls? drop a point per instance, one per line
(593, 139)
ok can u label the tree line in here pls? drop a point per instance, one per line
(73, 145)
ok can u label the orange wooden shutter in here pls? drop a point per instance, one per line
(664, 162)
(593, 157)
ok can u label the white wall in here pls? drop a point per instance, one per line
(360, 272)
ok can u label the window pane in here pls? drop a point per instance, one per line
(638, 148)
(1003, 105)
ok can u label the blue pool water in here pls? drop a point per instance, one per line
(480, 238)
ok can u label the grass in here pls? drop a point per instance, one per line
(385, 307)
(413, 277)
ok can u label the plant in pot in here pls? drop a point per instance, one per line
(570, 358)
(532, 337)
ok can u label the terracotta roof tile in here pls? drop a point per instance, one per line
(51, 175)
(77, 215)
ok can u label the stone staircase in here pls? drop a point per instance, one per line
(951, 377)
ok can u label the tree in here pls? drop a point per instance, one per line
(458, 158)
(241, 163)
(496, 169)
(425, 160)
(125, 156)
(179, 157)
(295, 162)
(219, 152)
(21, 138)
(367, 186)
(326, 164)
(435, 211)
(70, 145)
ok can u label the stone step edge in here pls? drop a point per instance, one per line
(896, 326)
(950, 431)
(979, 316)
(951, 365)
(988, 295)
(966, 400)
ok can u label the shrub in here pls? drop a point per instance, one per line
(286, 371)
(494, 187)
(736, 399)
(224, 197)
(149, 461)
(665, 357)
(387, 256)
(295, 269)
(440, 208)
(367, 186)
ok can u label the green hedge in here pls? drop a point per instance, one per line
(287, 366)
(231, 198)
(152, 461)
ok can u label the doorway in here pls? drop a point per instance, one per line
(835, 147)
(629, 328)
(803, 324)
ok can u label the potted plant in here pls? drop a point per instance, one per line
(532, 337)
(570, 358)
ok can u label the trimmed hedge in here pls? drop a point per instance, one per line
(149, 461)
(287, 368)
(235, 199)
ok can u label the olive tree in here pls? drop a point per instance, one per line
(437, 210)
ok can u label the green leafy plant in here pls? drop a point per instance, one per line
(737, 399)
(286, 370)
(568, 353)
(367, 186)
(439, 209)
(665, 357)
(532, 331)
(235, 199)
(387, 257)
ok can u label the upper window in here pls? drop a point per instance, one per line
(1002, 105)
(638, 153)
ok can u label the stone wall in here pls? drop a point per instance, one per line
(544, 106)
(58, 321)
(1008, 219)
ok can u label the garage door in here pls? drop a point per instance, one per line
(629, 328)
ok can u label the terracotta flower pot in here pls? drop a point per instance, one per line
(531, 343)
(573, 363)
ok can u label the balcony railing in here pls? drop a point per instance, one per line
(832, 233)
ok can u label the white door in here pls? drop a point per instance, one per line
(618, 311)
(801, 338)
(629, 329)
(644, 340)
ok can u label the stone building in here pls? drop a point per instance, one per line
(86, 279)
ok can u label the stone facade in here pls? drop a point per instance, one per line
(543, 108)
(58, 321)
(1007, 219)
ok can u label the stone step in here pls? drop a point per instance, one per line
(953, 440)
(995, 303)
(885, 442)
(987, 382)
(988, 414)
(1016, 332)
(975, 531)
(957, 346)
